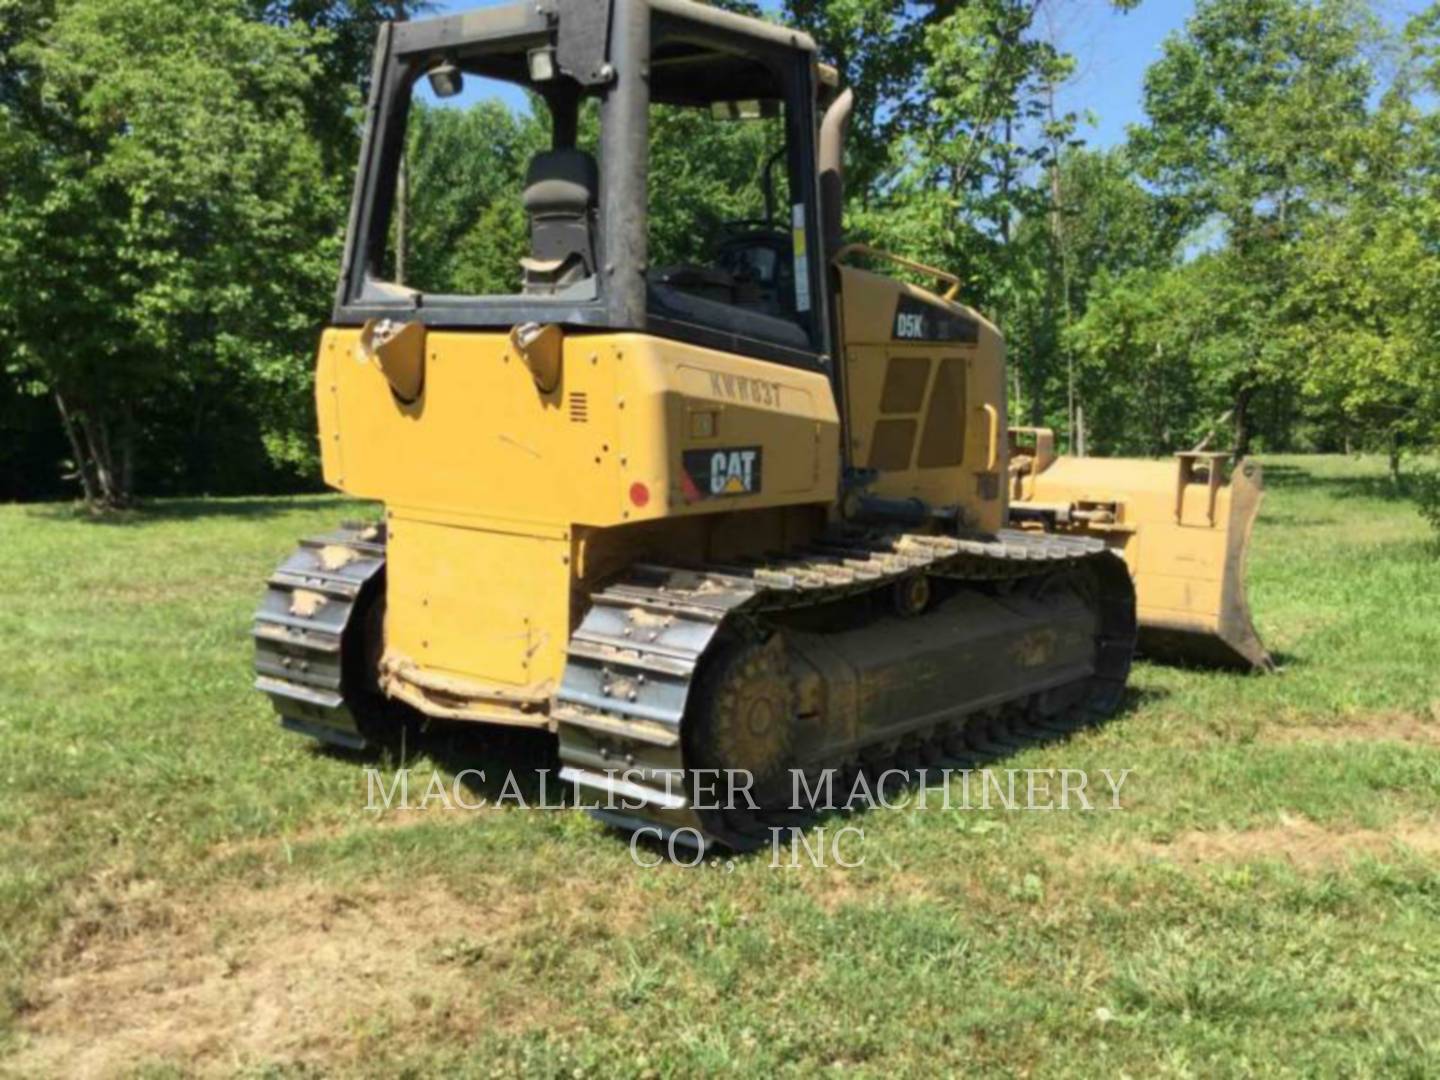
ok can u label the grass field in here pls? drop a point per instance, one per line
(183, 888)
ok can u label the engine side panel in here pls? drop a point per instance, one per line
(925, 381)
(482, 439)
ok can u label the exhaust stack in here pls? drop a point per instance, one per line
(833, 130)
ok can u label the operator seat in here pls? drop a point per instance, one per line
(561, 193)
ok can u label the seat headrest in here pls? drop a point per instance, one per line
(561, 181)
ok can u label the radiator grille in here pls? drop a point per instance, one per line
(892, 445)
(905, 380)
(943, 443)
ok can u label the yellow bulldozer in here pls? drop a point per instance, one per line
(740, 509)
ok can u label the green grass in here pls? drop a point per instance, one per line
(184, 888)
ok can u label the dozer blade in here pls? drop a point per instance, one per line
(1184, 532)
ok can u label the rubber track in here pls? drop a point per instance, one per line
(621, 707)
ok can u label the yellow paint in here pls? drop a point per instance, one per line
(869, 302)
(475, 602)
(1189, 570)
(399, 353)
(490, 483)
(484, 440)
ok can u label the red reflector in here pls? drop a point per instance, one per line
(639, 494)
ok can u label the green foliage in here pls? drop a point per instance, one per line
(704, 175)
(1425, 485)
(171, 244)
(1256, 119)
(1366, 302)
(1304, 296)
(1255, 110)
(878, 50)
(466, 228)
(1140, 333)
(465, 171)
(965, 162)
(1262, 252)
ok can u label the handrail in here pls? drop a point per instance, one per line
(898, 260)
(993, 443)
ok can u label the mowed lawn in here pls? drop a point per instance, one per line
(184, 888)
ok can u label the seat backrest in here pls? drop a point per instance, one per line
(561, 191)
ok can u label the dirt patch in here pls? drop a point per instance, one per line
(274, 846)
(292, 973)
(1392, 727)
(835, 888)
(1298, 841)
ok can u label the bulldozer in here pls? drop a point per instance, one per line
(744, 508)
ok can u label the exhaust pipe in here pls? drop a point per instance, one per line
(833, 130)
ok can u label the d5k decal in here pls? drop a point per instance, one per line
(917, 320)
(711, 474)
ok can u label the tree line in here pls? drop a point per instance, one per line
(1255, 266)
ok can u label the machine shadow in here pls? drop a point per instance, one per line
(982, 743)
(494, 762)
(487, 762)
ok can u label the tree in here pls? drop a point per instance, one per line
(171, 238)
(1158, 349)
(1101, 223)
(1308, 279)
(705, 175)
(1364, 307)
(173, 182)
(1256, 114)
(878, 49)
(465, 168)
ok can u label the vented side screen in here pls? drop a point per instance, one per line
(579, 407)
(892, 445)
(905, 380)
(943, 443)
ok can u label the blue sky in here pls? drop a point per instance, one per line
(1112, 51)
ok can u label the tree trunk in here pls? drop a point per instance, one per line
(1242, 422)
(82, 460)
(127, 452)
(1394, 457)
(97, 443)
(402, 213)
(1059, 274)
(103, 485)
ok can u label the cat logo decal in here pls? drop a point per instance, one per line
(721, 473)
